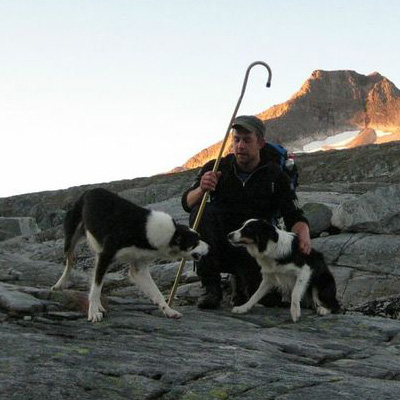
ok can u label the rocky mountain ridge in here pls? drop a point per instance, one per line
(327, 104)
(355, 170)
(330, 102)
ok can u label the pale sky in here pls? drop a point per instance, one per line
(95, 91)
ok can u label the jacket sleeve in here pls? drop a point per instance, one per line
(206, 167)
(288, 202)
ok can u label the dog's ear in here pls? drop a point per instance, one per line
(262, 240)
(177, 239)
(274, 235)
(264, 236)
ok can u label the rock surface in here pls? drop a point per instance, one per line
(319, 218)
(376, 211)
(137, 354)
(49, 349)
(13, 226)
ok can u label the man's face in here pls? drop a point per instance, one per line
(246, 148)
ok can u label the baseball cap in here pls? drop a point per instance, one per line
(250, 123)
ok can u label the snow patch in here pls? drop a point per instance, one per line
(338, 141)
(381, 133)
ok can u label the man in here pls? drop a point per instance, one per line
(247, 185)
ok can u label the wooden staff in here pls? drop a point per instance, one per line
(215, 169)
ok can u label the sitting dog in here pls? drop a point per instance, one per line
(117, 229)
(283, 266)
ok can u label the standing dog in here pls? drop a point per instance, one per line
(117, 229)
(285, 267)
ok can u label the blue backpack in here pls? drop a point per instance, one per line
(279, 154)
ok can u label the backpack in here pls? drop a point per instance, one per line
(277, 153)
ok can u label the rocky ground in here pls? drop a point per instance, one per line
(138, 354)
(48, 348)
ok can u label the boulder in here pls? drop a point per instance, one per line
(365, 266)
(16, 226)
(23, 271)
(16, 302)
(363, 252)
(376, 211)
(319, 218)
(329, 198)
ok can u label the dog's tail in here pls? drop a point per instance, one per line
(325, 282)
(73, 229)
(327, 294)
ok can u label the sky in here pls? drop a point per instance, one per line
(95, 91)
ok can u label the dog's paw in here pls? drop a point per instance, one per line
(240, 310)
(96, 312)
(170, 313)
(95, 316)
(295, 312)
(323, 311)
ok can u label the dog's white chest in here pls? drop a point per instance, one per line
(283, 276)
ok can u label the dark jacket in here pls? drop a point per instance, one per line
(265, 194)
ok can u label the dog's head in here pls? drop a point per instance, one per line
(186, 243)
(255, 233)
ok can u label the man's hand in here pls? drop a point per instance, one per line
(303, 232)
(209, 181)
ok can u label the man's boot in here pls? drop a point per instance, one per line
(212, 296)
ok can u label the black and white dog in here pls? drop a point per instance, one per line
(283, 266)
(117, 229)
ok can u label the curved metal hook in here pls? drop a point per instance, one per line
(248, 72)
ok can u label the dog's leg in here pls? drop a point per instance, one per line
(70, 243)
(321, 310)
(62, 283)
(140, 275)
(262, 290)
(96, 310)
(298, 292)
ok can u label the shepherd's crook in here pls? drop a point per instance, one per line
(215, 169)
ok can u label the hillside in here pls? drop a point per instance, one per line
(328, 104)
(355, 170)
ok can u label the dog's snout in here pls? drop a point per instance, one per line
(231, 236)
(201, 250)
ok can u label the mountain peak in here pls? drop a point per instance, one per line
(330, 103)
